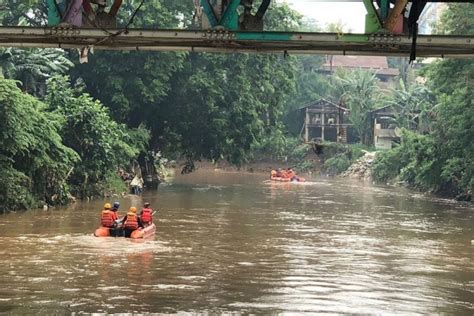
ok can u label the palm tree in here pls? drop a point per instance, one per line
(359, 91)
(33, 66)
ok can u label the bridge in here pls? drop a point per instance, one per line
(238, 41)
(224, 29)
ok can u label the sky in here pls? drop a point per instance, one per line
(351, 14)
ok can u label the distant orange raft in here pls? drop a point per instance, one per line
(119, 232)
(280, 179)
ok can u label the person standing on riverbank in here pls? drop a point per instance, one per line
(137, 185)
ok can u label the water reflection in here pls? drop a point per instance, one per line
(236, 242)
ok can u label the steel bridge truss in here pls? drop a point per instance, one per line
(237, 41)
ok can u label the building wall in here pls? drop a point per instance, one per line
(382, 142)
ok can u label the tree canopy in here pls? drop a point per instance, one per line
(88, 120)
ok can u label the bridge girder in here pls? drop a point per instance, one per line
(230, 42)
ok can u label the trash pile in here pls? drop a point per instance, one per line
(361, 168)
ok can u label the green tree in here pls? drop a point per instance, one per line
(34, 163)
(280, 17)
(33, 66)
(197, 105)
(132, 84)
(456, 20)
(453, 82)
(311, 85)
(23, 12)
(443, 160)
(219, 105)
(416, 162)
(415, 106)
(102, 144)
(361, 94)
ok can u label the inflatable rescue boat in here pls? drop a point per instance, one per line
(119, 232)
(280, 179)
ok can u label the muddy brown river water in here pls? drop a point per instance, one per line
(232, 242)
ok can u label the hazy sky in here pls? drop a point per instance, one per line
(351, 14)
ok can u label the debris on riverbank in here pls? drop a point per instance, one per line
(361, 168)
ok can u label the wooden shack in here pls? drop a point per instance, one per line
(326, 121)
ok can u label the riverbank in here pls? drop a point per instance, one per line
(333, 164)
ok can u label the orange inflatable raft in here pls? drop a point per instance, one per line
(280, 179)
(118, 232)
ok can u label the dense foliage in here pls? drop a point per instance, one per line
(198, 106)
(34, 163)
(236, 107)
(360, 94)
(86, 126)
(67, 144)
(32, 67)
(338, 157)
(442, 161)
(415, 106)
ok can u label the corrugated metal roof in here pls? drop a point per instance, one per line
(325, 102)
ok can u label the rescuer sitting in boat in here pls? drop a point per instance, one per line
(108, 217)
(285, 175)
(291, 174)
(115, 208)
(277, 173)
(131, 221)
(146, 215)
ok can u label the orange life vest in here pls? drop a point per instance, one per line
(146, 215)
(107, 218)
(132, 221)
(115, 214)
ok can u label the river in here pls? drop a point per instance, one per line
(232, 242)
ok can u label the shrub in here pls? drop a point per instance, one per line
(336, 165)
(34, 163)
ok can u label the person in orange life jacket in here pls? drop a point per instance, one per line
(107, 217)
(131, 221)
(146, 214)
(290, 174)
(115, 208)
(284, 174)
(279, 173)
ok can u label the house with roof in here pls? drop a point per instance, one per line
(378, 64)
(385, 131)
(327, 121)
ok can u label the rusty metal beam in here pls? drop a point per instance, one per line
(230, 42)
(394, 14)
